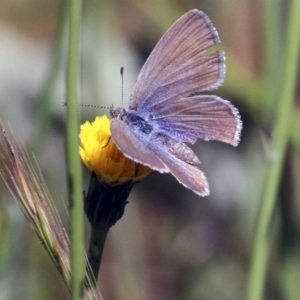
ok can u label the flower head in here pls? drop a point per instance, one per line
(100, 155)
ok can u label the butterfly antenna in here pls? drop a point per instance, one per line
(122, 87)
(88, 105)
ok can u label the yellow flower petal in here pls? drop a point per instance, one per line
(100, 154)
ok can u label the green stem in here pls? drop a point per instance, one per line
(272, 56)
(280, 135)
(44, 106)
(73, 163)
(97, 242)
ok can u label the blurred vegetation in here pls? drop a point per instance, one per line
(170, 244)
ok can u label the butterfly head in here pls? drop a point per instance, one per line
(117, 113)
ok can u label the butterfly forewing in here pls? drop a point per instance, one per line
(179, 65)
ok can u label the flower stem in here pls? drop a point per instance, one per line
(104, 206)
(280, 135)
(73, 163)
(97, 242)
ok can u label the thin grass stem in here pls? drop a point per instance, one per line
(280, 137)
(73, 163)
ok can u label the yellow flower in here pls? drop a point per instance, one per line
(100, 154)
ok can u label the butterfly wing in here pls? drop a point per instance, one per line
(178, 65)
(189, 176)
(157, 158)
(202, 116)
(133, 147)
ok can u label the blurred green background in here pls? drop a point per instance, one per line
(170, 244)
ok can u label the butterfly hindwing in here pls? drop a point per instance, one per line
(202, 116)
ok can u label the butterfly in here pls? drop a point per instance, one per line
(166, 110)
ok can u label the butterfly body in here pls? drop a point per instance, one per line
(166, 110)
